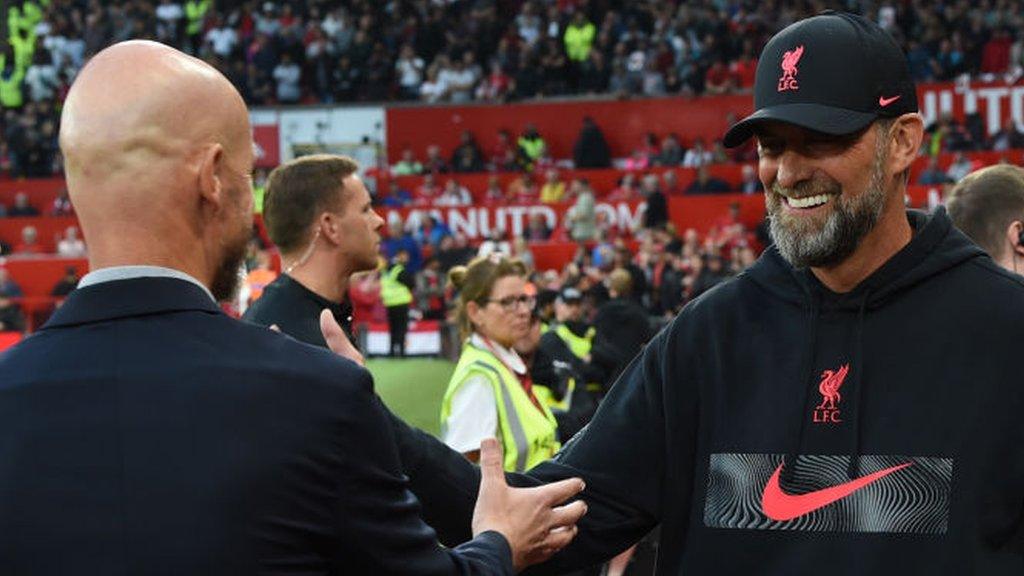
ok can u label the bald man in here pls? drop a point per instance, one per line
(142, 431)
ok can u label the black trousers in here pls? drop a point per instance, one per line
(398, 326)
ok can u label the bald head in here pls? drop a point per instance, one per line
(157, 151)
(138, 104)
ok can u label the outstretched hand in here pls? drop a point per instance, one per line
(533, 520)
(336, 338)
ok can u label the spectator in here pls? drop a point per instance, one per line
(751, 183)
(22, 208)
(287, 74)
(467, 156)
(12, 319)
(408, 165)
(1008, 137)
(41, 78)
(697, 155)
(582, 218)
(427, 191)
(62, 205)
(579, 38)
(430, 290)
(71, 246)
(537, 229)
(400, 239)
(433, 89)
(625, 191)
(495, 244)
(495, 87)
(409, 69)
(670, 183)
(67, 283)
(932, 174)
(9, 288)
(434, 162)
(29, 242)
(460, 80)
(591, 149)
(522, 251)
(960, 167)
(396, 196)
(656, 214)
(553, 190)
(531, 147)
(522, 190)
(711, 274)
(454, 195)
(718, 79)
(594, 75)
(494, 193)
(707, 184)
(671, 153)
(222, 38)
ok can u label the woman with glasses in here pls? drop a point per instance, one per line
(490, 393)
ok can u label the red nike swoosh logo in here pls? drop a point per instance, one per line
(780, 506)
(883, 102)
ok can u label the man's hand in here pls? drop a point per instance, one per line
(531, 519)
(336, 338)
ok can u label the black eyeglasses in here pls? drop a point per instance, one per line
(509, 303)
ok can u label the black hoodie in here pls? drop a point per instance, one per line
(895, 409)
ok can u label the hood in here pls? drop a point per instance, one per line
(935, 247)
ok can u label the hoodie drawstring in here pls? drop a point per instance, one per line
(857, 383)
(789, 465)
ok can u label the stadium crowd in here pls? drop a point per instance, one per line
(320, 51)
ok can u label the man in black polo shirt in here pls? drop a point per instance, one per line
(318, 213)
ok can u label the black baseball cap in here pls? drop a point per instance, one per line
(833, 73)
(570, 294)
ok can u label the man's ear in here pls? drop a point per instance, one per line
(906, 135)
(1014, 235)
(211, 167)
(330, 226)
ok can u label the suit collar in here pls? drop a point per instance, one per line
(127, 298)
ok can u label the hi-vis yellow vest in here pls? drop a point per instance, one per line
(393, 292)
(580, 345)
(527, 435)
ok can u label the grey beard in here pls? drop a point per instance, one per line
(848, 222)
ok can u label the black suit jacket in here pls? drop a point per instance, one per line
(142, 431)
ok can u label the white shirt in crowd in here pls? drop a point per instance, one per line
(474, 414)
(71, 248)
(223, 40)
(460, 83)
(287, 76)
(410, 72)
(432, 90)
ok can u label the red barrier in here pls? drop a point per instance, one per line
(37, 276)
(48, 228)
(624, 123)
(41, 193)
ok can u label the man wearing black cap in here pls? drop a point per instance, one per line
(825, 412)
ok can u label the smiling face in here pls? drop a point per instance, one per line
(823, 193)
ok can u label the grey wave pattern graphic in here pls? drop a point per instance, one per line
(913, 500)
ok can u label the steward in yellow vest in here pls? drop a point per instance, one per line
(526, 428)
(396, 294)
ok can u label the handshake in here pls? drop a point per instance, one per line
(535, 521)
